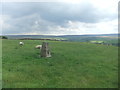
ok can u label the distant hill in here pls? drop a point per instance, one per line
(62, 36)
(107, 38)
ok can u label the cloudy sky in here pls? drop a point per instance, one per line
(72, 17)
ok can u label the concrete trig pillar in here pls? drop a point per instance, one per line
(45, 51)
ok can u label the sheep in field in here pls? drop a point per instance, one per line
(21, 43)
(38, 46)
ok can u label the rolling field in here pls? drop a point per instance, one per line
(72, 65)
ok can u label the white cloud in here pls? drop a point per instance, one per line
(33, 25)
(79, 28)
(3, 22)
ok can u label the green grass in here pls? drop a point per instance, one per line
(0, 63)
(72, 65)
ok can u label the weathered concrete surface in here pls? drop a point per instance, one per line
(45, 51)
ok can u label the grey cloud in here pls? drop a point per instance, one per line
(46, 18)
(27, 24)
(56, 12)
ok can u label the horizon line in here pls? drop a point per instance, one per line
(56, 34)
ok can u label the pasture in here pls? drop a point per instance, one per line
(72, 65)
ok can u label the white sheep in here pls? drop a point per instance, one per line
(38, 46)
(21, 43)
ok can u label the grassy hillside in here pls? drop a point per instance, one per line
(73, 64)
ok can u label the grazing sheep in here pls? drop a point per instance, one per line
(38, 46)
(21, 43)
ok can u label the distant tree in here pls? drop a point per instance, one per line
(4, 37)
